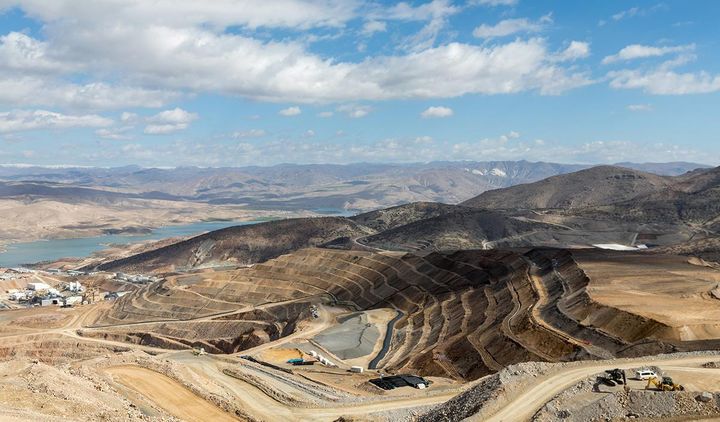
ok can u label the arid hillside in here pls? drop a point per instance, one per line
(390, 218)
(462, 228)
(599, 185)
(241, 245)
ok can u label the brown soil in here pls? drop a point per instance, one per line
(168, 394)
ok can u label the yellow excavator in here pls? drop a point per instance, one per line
(663, 384)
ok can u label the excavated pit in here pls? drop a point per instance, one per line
(466, 314)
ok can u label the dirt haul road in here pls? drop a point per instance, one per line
(525, 403)
(256, 403)
(181, 402)
(168, 394)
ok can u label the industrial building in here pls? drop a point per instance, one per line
(37, 286)
(395, 381)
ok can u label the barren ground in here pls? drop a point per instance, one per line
(668, 289)
(47, 219)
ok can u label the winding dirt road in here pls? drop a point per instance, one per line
(251, 399)
(524, 404)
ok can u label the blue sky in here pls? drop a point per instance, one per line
(231, 83)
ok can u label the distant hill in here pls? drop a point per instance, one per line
(692, 199)
(463, 228)
(241, 245)
(674, 168)
(360, 186)
(69, 193)
(600, 205)
(389, 218)
(599, 185)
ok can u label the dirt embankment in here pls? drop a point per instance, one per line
(169, 394)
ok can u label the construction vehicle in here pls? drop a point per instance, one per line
(617, 375)
(663, 384)
(612, 378)
(198, 351)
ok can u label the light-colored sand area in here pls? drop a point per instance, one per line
(280, 355)
(667, 289)
(168, 394)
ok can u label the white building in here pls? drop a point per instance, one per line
(55, 301)
(37, 286)
(18, 296)
(75, 286)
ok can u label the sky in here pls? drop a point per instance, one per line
(253, 82)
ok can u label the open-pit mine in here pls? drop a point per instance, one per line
(541, 315)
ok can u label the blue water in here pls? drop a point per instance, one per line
(18, 254)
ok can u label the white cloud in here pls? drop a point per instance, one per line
(183, 48)
(576, 50)
(355, 111)
(458, 69)
(174, 116)
(435, 12)
(638, 11)
(116, 134)
(22, 52)
(163, 129)
(128, 117)
(437, 112)
(401, 149)
(663, 81)
(18, 90)
(425, 11)
(512, 26)
(22, 120)
(495, 2)
(300, 14)
(629, 13)
(373, 26)
(169, 121)
(290, 111)
(638, 51)
(325, 114)
(252, 133)
(640, 107)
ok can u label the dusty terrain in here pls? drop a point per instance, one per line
(51, 355)
(503, 326)
(28, 220)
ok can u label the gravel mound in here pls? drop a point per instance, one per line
(583, 403)
(488, 394)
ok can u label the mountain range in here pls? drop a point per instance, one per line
(599, 205)
(361, 186)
